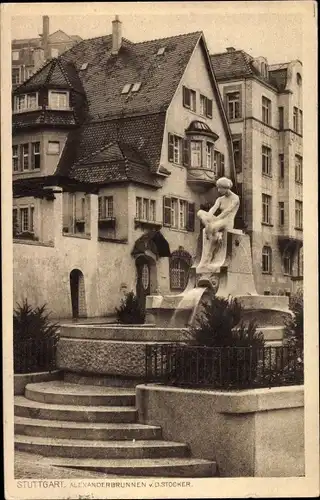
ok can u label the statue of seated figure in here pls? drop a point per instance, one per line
(216, 227)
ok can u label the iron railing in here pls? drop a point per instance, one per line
(224, 367)
(35, 355)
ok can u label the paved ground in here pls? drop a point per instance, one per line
(26, 467)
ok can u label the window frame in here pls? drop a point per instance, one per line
(182, 268)
(233, 104)
(171, 218)
(25, 98)
(52, 152)
(145, 209)
(35, 154)
(266, 110)
(287, 263)
(25, 155)
(15, 157)
(281, 117)
(266, 159)
(266, 255)
(281, 213)
(196, 153)
(298, 169)
(267, 204)
(298, 214)
(105, 207)
(52, 93)
(13, 55)
(14, 69)
(295, 119)
(189, 99)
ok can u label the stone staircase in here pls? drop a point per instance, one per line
(96, 428)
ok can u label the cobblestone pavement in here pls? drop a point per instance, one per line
(26, 467)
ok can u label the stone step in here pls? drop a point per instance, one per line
(24, 407)
(85, 430)
(78, 448)
(61, 392)
(101, 380)
(156, 467)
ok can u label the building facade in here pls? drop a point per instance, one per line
(116, 145)
(28, 54)
(264, 108)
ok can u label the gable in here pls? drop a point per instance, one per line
(59, 36)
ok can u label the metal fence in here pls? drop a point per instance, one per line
(224, 367)
(34, 354)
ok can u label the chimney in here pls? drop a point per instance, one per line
(116, 35)
(45, 36)
(38, 57)
(231, 49)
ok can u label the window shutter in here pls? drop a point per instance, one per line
(167, 211)
(209, 108)
(221, 166)
(186, 97)
(191, 214)
(87, 210)
(186, 152)
(170, 147)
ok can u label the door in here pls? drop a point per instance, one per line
(77, 294)
(143, 280)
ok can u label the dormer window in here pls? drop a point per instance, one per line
(58, 99)
(161, 51)
(26, 102)
(126, 88)
(84, 66)
(136, 87)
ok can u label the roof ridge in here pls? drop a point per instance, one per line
(168, 37)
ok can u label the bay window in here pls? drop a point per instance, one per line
(196, 153)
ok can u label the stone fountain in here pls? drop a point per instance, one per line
(115, 354)
(223, 267)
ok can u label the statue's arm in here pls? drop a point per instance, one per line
(215, 207)
(234, 204)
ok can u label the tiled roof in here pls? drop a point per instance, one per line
(235, 64)
(56, 73)
(106, 75)
(143, 133)
(42, 117)
(116, 162)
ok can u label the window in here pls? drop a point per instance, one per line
(281, 169)
(281, 117)
(266, 209)
(233, 105)
(300, 262)
(266, 110)
(178, 213)
(15, 76)
(295, 120)
(196, 154)
(299, 79)
(15, 55)
(179, 271)
(205, 106)
(105, 207)
(145, 209)
(298, 213)
(53, 147)
(300, 122)
(24, 214)
(54, 52)
(267, 260)
(28, 72)
(237, 154)
(287, 263)
(58, 99)
(161, 51)
(281, 213)
(36, 155)
(175, 149)
(76, 213)
(84, 66)
(25, 156)
(298, 169)
(189, 99)
(126, 88)
(218, 163)
(264, 70)
(209, 155)
(26, 102)
(15, 158)
(136, 87)
(266, 160)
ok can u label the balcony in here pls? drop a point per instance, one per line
(201, 179)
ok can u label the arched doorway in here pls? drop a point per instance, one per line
(143, 279)
(78, 297)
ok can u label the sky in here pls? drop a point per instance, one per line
(260, 28)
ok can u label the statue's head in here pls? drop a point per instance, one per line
(223, 185)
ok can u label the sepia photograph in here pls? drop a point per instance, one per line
(157, 189)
